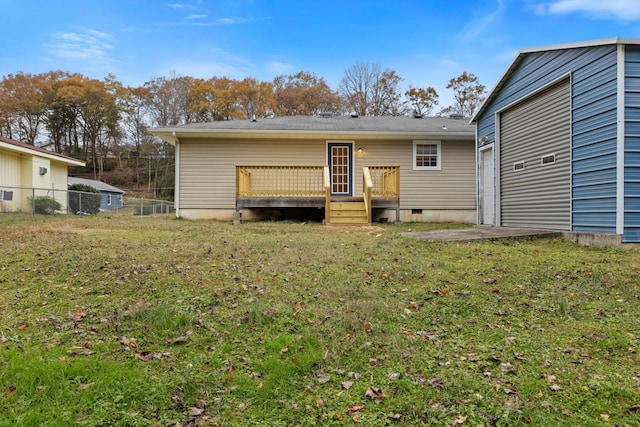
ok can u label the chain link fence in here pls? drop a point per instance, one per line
(52, 201)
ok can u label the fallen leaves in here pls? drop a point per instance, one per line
(177, 341)
(80, 351)
(147, 356)
(436, 382)
(375, 394)
(354, 408)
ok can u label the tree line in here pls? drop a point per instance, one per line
(97, 120)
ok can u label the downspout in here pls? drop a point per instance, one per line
(176, 178)
(620, 143)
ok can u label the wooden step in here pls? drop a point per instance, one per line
(348, 213)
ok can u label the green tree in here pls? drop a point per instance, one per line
(84, 198)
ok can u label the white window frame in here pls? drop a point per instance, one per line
(108, 199)
(542, 162)
(438, 155)
(519, 166)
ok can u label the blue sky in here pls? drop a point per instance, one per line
(426, 42)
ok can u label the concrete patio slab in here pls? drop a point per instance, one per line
(479, 233)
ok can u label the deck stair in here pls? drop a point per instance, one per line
(348, 213)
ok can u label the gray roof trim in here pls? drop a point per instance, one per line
(314, 127)
(98, 185)
(523, 52)
(23, 147)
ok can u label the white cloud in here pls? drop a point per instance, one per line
(225, 65)
(197, 17)
(82, 45)
(278, 68)
(481, 22)
(623, 10)
(233, 20)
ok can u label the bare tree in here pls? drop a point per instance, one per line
(370, 91)
(422, 100)
(468, 93)
(168, 100)
(304, 94)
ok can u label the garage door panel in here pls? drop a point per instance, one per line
(537, 194)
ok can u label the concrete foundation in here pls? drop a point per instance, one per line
(594, 239)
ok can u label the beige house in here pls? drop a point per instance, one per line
(27, 172)
(355, 169)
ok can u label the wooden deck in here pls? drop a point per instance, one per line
(309, 187)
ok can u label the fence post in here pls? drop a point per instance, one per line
(33, 201)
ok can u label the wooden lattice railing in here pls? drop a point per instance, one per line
(308, 181)
(386, 181)
(280, 181)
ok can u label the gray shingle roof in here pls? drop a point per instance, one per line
(429, 125)
(98, 185)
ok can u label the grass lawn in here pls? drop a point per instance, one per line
(120, 321)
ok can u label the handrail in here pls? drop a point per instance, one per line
(386, 181)
(327, 195)
(279, 181)
(367, 185)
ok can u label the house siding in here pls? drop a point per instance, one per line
(593, 133)
(631, 231)
(10, 165)
(207, 169)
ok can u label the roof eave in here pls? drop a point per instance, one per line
(171, 135)
(52, 156)
(522, 52)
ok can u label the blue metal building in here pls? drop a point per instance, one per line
(558, 141)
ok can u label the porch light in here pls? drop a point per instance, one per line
(444, 127)
(359, 150)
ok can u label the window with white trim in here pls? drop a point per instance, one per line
(549, 159)
(108, 199)
(427, 155)
(519, 166)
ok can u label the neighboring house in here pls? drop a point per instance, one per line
(558, 141)
(111, 196)
(357, 169)
(27, 171)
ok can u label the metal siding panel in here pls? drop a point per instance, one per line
(603, 190)
(538, 195)
(592, 163)
(590, 67)
(590, 178)
(631, 231)
(607, 118)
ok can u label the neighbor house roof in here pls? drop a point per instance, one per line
(309, 127)
(98, 185)
(524, 52)
(22, 147)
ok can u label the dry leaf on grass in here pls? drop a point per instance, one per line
(375, 394)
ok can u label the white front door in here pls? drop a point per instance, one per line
(487, 177)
